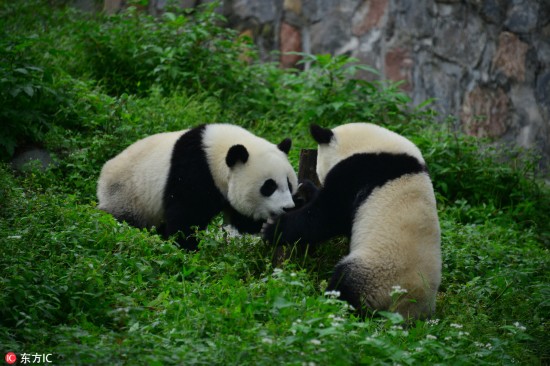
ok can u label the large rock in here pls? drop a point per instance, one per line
(522, 16)
(291, 41)
(510, 56)
(368, 16)
(460, 37)
(485, 112)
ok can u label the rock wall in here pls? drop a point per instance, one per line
(487, 62)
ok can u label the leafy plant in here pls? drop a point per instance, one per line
(132, 51)
(28, 94)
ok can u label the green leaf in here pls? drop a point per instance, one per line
(29, 90)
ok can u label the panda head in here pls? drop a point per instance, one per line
(354, 138)
(261, 180)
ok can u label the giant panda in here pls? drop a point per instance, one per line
(179, 180)
(375, 190)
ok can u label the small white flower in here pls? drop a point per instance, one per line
(277, 271)
(448, 338)
(292, 274)
(432, 322)
(457, 326)
(267, 340)
(519, 326)
(397, 290)
(332, 294)
(418, 349)
(461, 333)
(429, 336)
(489, 346)
(315, 342)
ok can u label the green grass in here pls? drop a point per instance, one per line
(90, 290)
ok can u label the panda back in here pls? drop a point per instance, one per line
(400, 217)
(133, 182)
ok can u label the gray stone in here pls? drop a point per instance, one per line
(32, 154)
(438, 79)
(522, 16)
(263, 10)
(330, 34)
(368, 51)
(542, 93)
(412, 18)
(493, 11)
(317, 10)
(459, 40)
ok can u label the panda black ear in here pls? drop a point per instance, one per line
(285, 145)
(320, 134)
(235, 154)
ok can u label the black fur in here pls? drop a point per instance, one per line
(307, 192)
(350, 279)
(242, 223)
(285, 145)
(346, 187)
(268, 188)
(190, 198)
(237, 153)
(321, 135)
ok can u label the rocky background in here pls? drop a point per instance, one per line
(487, 62)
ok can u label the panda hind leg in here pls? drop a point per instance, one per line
(349, 280)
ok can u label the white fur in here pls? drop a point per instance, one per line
(241, 184)
(141, 171)
(355, 138)
(396, 232)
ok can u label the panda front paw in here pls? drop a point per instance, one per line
(307, 191)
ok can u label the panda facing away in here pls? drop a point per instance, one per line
(375, 190)
(178, 180)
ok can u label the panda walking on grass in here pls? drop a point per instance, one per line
(375, 190)
(179, 180)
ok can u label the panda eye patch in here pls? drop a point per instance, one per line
(268, 188)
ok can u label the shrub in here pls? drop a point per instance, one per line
(132, 51)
